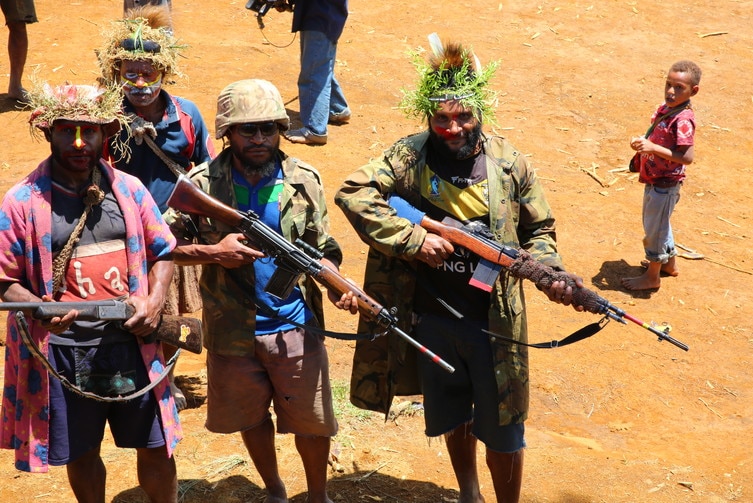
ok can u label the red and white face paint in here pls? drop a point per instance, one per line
(141, 82)
(453, 123)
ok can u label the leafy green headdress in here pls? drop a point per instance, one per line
(453, 73)
(145, 34)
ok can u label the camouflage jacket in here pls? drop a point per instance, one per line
(229, 313)
(519, 217)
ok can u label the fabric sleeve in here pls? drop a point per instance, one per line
(536, 227)
(362, 198)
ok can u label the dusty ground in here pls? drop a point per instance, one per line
(617, 418)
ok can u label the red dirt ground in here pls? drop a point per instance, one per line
(619, 417)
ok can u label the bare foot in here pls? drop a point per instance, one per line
(666, 269)
(21, 95)
(642, 282)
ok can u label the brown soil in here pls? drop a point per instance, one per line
(619, 417)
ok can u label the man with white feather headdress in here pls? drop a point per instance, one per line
(453, 169)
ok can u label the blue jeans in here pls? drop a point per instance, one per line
(319, 93)
(658, 205)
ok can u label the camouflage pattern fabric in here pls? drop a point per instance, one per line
(229, 314)
(519, 217)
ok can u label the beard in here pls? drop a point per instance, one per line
(473, 138)
(263, 169)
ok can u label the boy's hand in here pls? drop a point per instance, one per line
(642, 145)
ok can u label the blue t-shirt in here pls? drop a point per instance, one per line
(182, 135)
(264, 200)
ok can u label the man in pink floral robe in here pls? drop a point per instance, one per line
(124, 249)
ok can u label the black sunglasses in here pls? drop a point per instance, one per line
(250, 130)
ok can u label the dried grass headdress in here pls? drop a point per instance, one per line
(82, 103)
(453, 73)
(145, 34)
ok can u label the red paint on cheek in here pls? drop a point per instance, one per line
(444, 133)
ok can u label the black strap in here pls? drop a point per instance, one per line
(578, 335)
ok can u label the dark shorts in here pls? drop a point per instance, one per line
(18, 10)
(77, 424)
(290, 370)
(468, 394)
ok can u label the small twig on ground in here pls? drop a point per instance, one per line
(711, 34)
(367, 475)
(709, 407)
(727, 266)
(725, 220)
(592, 173)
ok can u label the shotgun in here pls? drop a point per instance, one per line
(292, 260)
(477, 238)
(181, 331)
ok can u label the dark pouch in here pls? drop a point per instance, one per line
(97, 371)
(635, 164)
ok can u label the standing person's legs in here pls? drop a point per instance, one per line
(18, 13)
(87, 477)
(339, 112)
(157, 474)
(239, 394)
(303, 402)
(448, 401)
(314, 452)
(461, 446)
(260, 443)
(658, 240)
(506, 469)
(315, 81)
(18, 47)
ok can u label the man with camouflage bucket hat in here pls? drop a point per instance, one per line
(452, 170)
(258, 356)
(76, 229)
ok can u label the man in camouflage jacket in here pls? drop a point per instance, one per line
(273, 354)
(454, 170)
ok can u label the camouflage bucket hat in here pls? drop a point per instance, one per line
(252, 100)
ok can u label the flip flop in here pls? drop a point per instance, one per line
(688, 253)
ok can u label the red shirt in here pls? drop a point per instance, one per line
(678, 129)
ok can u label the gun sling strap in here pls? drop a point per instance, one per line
(578, 335)
(34, 350)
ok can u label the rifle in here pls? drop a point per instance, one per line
(180, 331)
(292, 260)
(476, 238)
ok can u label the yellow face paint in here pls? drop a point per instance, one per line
(132, 83)
(78, 142)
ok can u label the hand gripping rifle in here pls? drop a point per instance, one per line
(292, 260)
(519, 263)
(180, 331)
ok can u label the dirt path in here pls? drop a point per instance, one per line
(617, 418)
